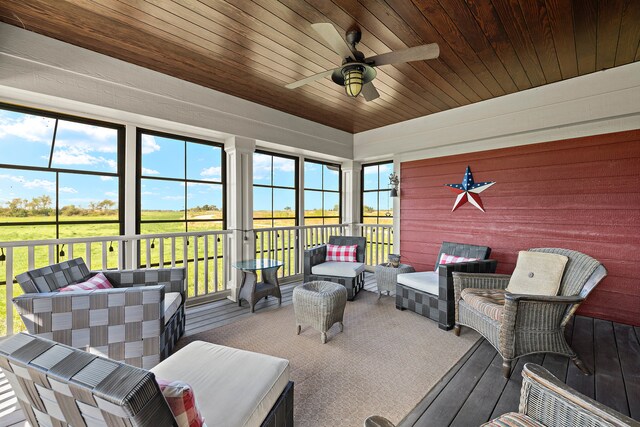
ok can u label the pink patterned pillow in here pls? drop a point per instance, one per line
(452, 259)
(182, 402)
(341, 253)
(99, 281)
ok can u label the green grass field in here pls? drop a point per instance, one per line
(284, 249)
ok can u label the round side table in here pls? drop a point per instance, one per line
(386, 276)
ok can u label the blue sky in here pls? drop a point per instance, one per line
(26, 140)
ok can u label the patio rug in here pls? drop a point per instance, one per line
(384, 362)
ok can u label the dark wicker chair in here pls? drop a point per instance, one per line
(440, 307)
(57, 385)
(126, 323)
(318, 255)
(517, 325)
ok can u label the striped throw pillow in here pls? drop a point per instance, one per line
(99, 281)
(341, 253)
(182, 402)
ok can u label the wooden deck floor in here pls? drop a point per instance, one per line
(474, 391)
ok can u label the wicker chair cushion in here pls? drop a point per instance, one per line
(490, 302)
(537, 273)
(513, 419)
(336, 268)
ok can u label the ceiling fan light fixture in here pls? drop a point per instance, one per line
(353, 80)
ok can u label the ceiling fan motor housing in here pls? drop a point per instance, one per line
(368, 73)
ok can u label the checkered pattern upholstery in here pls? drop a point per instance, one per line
(57, 385)
(60, 386)
(318, 255)
(125, 323)
(441, 308)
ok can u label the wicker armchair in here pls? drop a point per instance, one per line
(517, 325)
(547, 401)
(353, 281)
(126, 323)
(550, 402)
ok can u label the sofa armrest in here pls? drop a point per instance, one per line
(447, 272)
(551, 402)
(173, 279)
(314, 256)
(57, 312)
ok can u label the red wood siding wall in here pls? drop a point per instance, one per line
(581, 194)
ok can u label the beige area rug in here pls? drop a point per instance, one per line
(384, 362)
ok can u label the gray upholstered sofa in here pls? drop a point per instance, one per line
(139, 321)
(348, 274)
(57, 385)
(430, 293)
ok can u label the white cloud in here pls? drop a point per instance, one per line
(37, 184)
(106, 178)
(214, 172)
(149, 144)
(111, 194)
(74, 157)
(262, 165)
(173, 198)
(373, 170)
(148, 193)
(31, 128)
(95, 132)
(147, 171)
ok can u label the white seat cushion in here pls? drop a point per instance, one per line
(232, 387)
(425, 281)
(172, 301)
(334, 268)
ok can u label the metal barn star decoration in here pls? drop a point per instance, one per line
(469, 191)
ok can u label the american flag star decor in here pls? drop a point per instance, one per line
(469, 191)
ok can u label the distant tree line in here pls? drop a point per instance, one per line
(43, 206)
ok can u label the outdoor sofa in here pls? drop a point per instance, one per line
(57, 385)
(139, 321)
(430, 293)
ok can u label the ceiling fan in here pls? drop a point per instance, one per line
(356, 73)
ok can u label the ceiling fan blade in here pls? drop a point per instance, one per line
(418, 53)
(309, 79)
(332, 36)
(369, 92)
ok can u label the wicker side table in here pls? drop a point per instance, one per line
(386, 276)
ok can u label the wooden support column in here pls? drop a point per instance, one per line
(239, 207)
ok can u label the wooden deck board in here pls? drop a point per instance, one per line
(610, 350)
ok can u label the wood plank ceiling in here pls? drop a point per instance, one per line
(251, 49)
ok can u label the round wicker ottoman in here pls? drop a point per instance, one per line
(319, 304)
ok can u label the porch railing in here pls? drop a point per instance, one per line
(379, 242)
(287, 244)
(205, 253)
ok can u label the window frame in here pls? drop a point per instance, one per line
(378, 190)
(185, 180)
(322, 190)
(119, 174)
(295, 187)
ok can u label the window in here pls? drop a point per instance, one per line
(60, 177)
(377, 206)
(180, 184)
(275, 192)
(322, 194)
